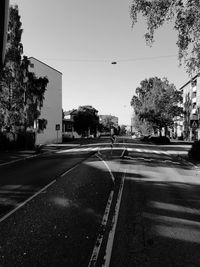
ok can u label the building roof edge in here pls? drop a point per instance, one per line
(45, 64)
(189, 81)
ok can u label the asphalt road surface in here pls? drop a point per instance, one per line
(132, 204)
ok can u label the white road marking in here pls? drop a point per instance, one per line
(110, 242)
(97, 247)
(95, 252)
(19, 159)
(25, 202)
(33, 196)
(104, 162)
(90, 149)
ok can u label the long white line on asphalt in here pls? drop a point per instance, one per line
(110, 242)
(16, 160)
(105, 163)
(25, 202)
(35, 195)
(96, 249)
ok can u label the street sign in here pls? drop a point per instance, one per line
(194, 124)
(57, 127)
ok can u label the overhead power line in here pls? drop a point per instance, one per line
(110, 60)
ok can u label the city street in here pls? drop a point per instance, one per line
(133, 204)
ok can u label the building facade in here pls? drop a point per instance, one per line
(190, 123)
(68, 125)
(52, 105)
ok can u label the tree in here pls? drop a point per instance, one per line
(4, 8)
(107, 122)
(86, 120)
(21, 92)
(186, 113)
(143, 127)
(185, 15)
(123, 130)
(156, 102)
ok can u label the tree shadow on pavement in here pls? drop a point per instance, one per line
(159, 222)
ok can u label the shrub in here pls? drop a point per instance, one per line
(25, 141)
(159, 140)
(194, 152)
(3, 142)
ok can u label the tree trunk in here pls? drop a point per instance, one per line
(160, 131)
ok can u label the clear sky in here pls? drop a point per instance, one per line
(81, 38)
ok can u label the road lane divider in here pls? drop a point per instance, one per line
(108, 168)
(98, 243)
(97, 246)
(111, 235)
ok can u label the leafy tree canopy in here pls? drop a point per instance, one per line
(156, 102)
(107, 121)
(185, 15)
(86, 119)
(21, 92)
(123, 130)
(142, 126)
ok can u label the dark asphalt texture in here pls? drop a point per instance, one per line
(58, 227)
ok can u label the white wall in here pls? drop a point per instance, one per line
(52, 105)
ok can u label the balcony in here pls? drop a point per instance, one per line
(194, 100)
(193, 117)
(194, 89)
(194, 111)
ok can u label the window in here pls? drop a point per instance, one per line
(194, 83)
(194, 94)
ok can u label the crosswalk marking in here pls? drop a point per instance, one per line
(96, 149)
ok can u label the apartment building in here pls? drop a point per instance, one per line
(190, 123)
(52, 105)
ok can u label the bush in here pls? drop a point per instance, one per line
(3, 142)
(25, 141)
(194, 152)
(145, 138)
(159, 140)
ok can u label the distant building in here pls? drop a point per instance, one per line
(189, 124)
(52, 105)
(68, 125)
